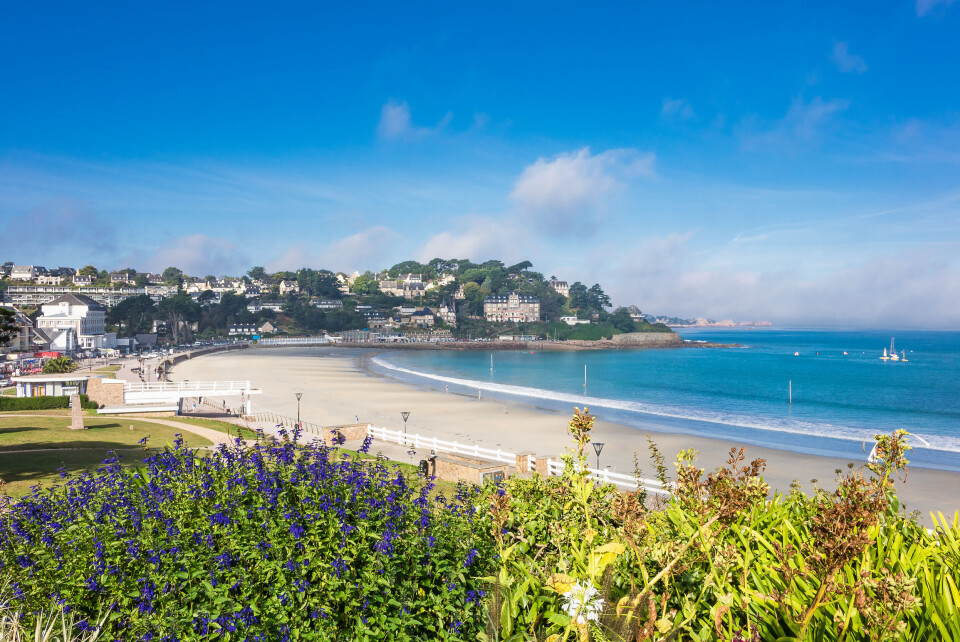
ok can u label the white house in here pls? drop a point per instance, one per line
(79, 313)
(561, 287)
(79, 279)
(289, 287)
(574, 321)
(23, 273)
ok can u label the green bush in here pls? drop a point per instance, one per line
(721, 559)
(43, 403)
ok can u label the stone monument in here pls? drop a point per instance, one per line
(76, 413)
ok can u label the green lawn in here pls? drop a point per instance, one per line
(9, 391)
(108, 369)
(219, 426)
(21, 470)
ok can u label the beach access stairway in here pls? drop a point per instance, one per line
(271, 423)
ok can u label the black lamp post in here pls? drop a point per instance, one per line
(299, 394)
(597, 447)
(406, 415)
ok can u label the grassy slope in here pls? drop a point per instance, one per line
(219, 426)
(22, 470)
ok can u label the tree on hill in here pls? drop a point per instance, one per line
(59, 365)
(88, 270)
(519, 267)
(8, 326)
(173, 276)
(622, 320)
(135, 314)
(364, 284)
(257, 273)
(180, 312)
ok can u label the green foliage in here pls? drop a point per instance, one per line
(135, 313)
(721, 559)
(59, 365)
(8, 326)
(365, 285)
(12, 404)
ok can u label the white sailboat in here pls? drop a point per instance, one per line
(885, 356)
(903, 356)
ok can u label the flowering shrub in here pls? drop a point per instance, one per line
(275, 542)
(723, 559)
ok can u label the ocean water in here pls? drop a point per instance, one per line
(838, 401)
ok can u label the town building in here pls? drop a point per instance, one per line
(327, 304)
(23, 273)
(122, 277)
(448, 313)
(267, 328)
(75, 313)
(423, 318)
(49, 279)
(560, 286)
(241, 329)
(33, 296)
(79, 279)
(574, 321)
(24, 338)
(512, 307)
(289, 287)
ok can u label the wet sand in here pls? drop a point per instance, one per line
(337, 390)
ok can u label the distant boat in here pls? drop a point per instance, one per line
(903, 355)
(844, 353)
(893, 351)
(885, 357)
(796, 354)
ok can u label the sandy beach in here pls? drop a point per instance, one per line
(337, 390)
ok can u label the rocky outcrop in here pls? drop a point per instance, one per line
(647, 339)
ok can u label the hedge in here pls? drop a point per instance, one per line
(43, 403)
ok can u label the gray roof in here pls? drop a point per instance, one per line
(77, 299)
(503, 298)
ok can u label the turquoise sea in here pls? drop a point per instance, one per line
(839, 400)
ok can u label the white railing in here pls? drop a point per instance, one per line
(187, 386)
(440, 445)
(628, 482)
(554, 466)
(293, 341)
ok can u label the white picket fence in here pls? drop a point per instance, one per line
(554, 466)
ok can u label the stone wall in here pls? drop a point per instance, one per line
(454, 468)
(106, 392)
(647, 339)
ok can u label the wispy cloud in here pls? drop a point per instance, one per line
(368, 249)
(846, 61)
(677, 108)
(396, 124)
(477, 237)
(61, 225)
(910, 288)
(803, 125)
(199, 255)
(925, 7)
(561, 192)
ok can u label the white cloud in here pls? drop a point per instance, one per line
(369, 249)
(396, 124)
(559, 193)
(676, 108)
(479, 238)
(926, 6)
(200, 255)
(846, 61)
(910, 288)
(803, 124)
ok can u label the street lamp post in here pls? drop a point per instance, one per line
(406, 415)
(597, 447)
(299, 394)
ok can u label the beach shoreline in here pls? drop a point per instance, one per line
(339, 387)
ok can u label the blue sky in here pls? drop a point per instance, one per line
(795, 162)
